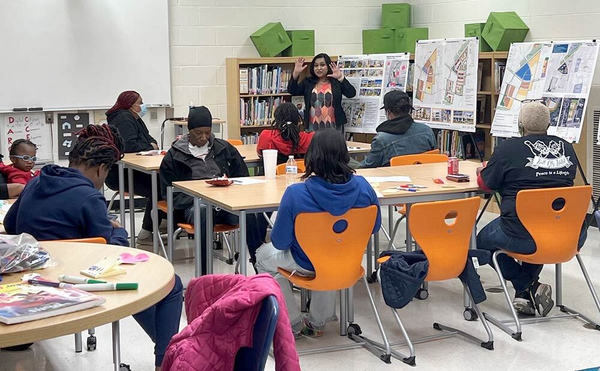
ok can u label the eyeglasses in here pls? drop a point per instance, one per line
(25, 158)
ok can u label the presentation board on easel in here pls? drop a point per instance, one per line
(559, 74)
(372, 75)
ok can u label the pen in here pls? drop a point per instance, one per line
(79, 280)
(62, 285)
(107, 286)
(408, 189)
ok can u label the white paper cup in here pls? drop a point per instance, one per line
(270, 162)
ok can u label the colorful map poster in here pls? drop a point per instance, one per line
(559, 74)
(372, 76)
(445, 83)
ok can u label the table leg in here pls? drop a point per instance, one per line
(197, 237)
(408, 234)
(122, 191)
(116, 346)
(370, 257)
(170, 223)
(243, 247)
(390, 219)
(209, 240)
(376, 250)
(131, 207)
(155, 231)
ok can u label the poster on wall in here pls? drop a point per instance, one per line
(445, 83)
(30, 126)
(68, 126)
(372, 76)
(559, 74)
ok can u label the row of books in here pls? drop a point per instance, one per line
(264, 80)
(450, 143)
(251, 138)
(254, 111)
(499, 68)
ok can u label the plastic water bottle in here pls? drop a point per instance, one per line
(291, 170)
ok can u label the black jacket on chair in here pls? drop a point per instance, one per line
(338, 89)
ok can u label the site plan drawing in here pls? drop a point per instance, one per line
(445, 83)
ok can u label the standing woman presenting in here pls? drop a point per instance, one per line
(322, 91)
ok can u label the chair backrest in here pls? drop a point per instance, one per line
(555, 232)
(421, 158)
(432, 152)
(255, 358)
(235, 142)
(280, 170)
(336, 257)
(445, 245)
(100, 240)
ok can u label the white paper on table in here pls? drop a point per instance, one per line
(247, 181)
(4, 207)
(381, 179)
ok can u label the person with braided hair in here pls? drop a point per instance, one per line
(399, 135)
(65, 203)
(285, 135)
(126, 115)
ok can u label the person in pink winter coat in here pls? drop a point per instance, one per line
(221, 311)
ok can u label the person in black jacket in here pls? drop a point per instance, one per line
(199, 155)
(322, 91)
(126, 115)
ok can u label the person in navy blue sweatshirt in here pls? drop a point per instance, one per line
(330, 185)
(64, 203)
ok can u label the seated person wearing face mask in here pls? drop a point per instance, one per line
(510, 170)
(399, 135)
(199, 155)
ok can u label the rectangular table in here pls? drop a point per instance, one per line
(263, 197)
(151, 165)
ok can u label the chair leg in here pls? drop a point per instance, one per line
(490, 343)
(303, 300)
(558, 288)
(350, 304)
(229, 250)
(387, 235)
(566, 309)
(112, 201)
(514, 334)
(393, 235)
(343, 312)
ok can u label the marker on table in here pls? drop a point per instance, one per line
(78, 280)
(62, 285)
(107, 286)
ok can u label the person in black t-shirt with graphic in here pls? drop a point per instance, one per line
(535, 160)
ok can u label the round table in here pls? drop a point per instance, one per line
(156, 278)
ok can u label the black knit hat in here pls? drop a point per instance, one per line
(199, 117)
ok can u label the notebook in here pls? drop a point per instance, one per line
(22, 302)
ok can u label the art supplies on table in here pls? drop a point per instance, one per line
(460, 178)
(21, 253)
(79, 280)
(127, 258)
(22, 302)
(152, 152)
(104, 268)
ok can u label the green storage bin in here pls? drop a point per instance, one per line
(378, 41)
(405, 39)
(474, 30)
(303, 43)
(502, 29)
(271, 40)
(395, 16)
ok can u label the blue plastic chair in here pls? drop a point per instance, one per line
(255, 358)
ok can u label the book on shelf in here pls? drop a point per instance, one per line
(410, 77)
(298, 101)
(450, 143)
(481, 108)
(479, 75)
(499, 68)
(22, 302)
(243, 81)
(251, 138)
(258, 111)
(265, 80)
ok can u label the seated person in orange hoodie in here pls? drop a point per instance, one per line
(23, 157)
(285, 135)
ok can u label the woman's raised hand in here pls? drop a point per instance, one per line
(335, 72)
(299, 66)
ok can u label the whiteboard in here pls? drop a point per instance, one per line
(75, 54)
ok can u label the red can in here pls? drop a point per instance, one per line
(452, 166)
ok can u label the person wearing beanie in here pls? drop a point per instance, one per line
(126, 115)
(399, 135)
(535, 160)
(199, 155)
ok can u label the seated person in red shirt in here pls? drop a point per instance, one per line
(285, 135)
(22, 154)
(535, 160)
